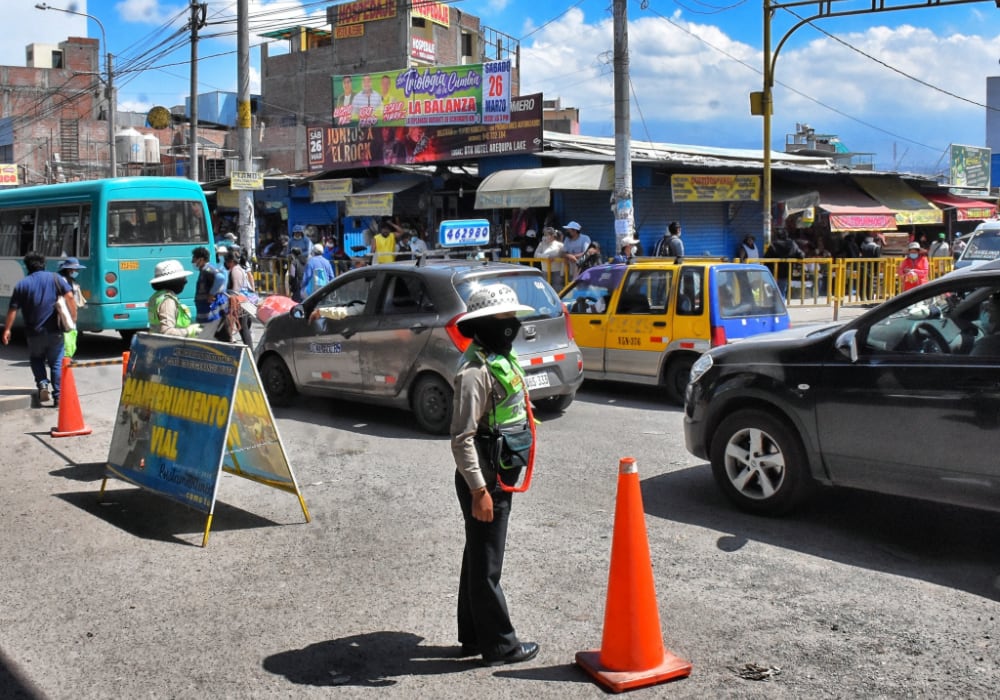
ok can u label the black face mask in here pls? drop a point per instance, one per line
(497, 334)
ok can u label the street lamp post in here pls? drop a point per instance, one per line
(762, 103)
(109, 84)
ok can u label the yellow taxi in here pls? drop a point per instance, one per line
(647, 322)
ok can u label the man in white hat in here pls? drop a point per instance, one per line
(167, 315)
(490, 396)
(575, 246)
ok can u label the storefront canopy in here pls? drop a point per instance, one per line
(965, 209)
(377, 199)
(910, 206)
(517, 189)
(853, 210)
(794, 199)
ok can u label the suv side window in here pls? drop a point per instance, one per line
(404, 294)
(690, 292)
(645, 292)
(353, 295)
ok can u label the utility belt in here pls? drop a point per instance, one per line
(505, 451)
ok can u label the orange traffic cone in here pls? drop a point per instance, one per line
(70, 417)
(125, 356)
(632, 654)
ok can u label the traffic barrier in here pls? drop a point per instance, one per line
(632, 654)
(70, 416)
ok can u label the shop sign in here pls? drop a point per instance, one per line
(435, 12)
(970, 169)
(715, 188)
(330, 190)
(422, 49)
(363, 11)
(8, 174)
(348, 31)
(241, 180)
(370, 204)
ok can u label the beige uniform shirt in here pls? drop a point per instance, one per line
(472, 403)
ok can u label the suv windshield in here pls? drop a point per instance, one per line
(532, 290)
(984, 245)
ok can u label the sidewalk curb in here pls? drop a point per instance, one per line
(15, 398)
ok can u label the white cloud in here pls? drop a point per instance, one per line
(693, 86)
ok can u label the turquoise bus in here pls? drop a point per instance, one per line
(119, 228)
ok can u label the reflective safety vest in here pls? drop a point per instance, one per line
(511, 411)
(153, 310)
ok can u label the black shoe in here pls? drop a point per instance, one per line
(525, 651)
(468, 650)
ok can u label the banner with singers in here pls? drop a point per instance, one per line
(424, 96)
(338, 148)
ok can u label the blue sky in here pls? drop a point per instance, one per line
(902, 85)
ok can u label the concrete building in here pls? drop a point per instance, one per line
(364, 37)
(53, 113)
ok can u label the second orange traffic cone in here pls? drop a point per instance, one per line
(632, 654)
(70, 416)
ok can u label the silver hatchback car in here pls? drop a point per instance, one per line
(396, 342)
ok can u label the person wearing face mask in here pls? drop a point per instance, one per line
(70, 269)
(913, 269)
(489, 393)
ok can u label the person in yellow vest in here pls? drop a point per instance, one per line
(167, 315)
(384, 243)
(489, 394)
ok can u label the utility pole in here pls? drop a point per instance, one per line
(624, 213)
(198, 12)
(248, 229)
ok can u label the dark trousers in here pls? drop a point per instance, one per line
(45, 355)
(483, 620)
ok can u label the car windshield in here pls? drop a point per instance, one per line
(983, 246)
(531, 289)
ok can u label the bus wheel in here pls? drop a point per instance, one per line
(127, 336)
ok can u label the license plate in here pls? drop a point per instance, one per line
(537, 380)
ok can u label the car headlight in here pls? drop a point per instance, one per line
(700, 366)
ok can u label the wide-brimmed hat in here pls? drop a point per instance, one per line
(71, 264)
(169, 270)
(491, 300)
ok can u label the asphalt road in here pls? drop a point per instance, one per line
(855, 596)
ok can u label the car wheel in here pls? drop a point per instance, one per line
(431, 404)
(758, 463)
(555, 404)
(277, 381)
(675, 380)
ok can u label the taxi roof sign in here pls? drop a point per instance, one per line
(464, 232)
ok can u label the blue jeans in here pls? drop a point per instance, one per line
(46, 350)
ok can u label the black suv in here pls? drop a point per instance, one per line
(396, 341)
(904, 400)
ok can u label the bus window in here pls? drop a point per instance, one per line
(10, 233)
(58, 230)
(155, 222)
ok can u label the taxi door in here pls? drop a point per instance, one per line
(328, 351)
(639, 326)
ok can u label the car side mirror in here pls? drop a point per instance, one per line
(297, 312)
(847, 344)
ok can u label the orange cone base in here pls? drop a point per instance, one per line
(85, 430)
(670, 668)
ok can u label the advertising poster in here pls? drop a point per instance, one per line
(424, 96)
(970, 168)
(332, 148)
(715, 188)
